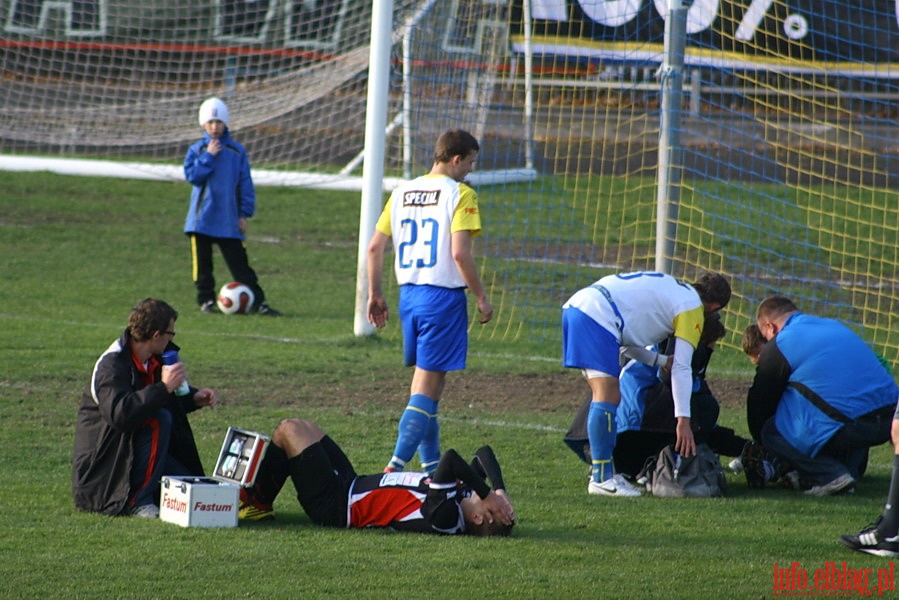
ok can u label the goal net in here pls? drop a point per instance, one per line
(123, 79)
(787, 156)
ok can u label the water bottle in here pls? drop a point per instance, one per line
(170, 357)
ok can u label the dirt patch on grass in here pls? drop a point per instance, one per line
(497, 393)
(551, 393)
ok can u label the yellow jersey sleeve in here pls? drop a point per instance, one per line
(467, 217)
(688, 325)
(383, 224)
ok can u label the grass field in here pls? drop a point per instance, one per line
(79, 252)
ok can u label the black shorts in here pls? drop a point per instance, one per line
(322, 481)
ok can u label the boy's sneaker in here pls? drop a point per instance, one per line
(871, 541)
(209, 307)
(253, 512)
(617, 485)
(145, 511)
(843, 483)
(265, 309)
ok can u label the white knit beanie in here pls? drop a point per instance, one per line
(213, 108)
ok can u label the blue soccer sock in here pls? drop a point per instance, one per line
(429, 448)
(412, 428)
(602, 431)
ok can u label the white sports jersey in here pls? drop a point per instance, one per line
(421, 217)
(644, 306)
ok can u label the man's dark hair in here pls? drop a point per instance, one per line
(712, 329)
(455, 142)
(148, 317)
(713, 288)
(775, 306)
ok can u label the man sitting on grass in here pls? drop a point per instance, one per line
(132, 426)
(455, 500)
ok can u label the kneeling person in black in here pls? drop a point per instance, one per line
(456, 500)
(656, 428)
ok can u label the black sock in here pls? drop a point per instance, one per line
(273, 472)
(889, 525)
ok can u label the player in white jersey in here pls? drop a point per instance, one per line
(635, 310)
(431, 221)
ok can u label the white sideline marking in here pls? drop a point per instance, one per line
(723, 374)
(268, 338)
(506, 424)
(476, 421)
(555, 359)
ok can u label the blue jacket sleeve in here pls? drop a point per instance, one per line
(246, 201)
(198, 164)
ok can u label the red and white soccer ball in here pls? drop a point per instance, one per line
(235, 298)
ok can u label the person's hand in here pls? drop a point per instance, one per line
(377, 311)
(685, 445)
(497, 507)
(242, 224)
(486, 310)
(214, 146)
(511, 510)
(173, 376)
(205, 397)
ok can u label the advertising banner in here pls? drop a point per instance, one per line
(837, 36)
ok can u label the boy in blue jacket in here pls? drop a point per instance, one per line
(222, 200)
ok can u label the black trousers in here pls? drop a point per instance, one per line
(634, 448)
(235, 254)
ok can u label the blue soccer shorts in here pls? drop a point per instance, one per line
(435, 327)
(588, 345)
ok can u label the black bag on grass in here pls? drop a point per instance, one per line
(673, 476)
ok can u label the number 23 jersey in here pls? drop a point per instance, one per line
(421, 217)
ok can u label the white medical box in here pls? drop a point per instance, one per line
(214, 501)
(198, 502)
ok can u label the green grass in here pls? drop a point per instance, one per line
(79, 252)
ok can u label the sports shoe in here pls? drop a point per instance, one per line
(145, 511)
(736, 465)
(616, 486)
(871, 541)
(840, 484)
(265, 309)
(753, 461)
(251, 512)
(209, 307)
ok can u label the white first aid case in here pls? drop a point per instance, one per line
(214, 501)
(198, 502)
